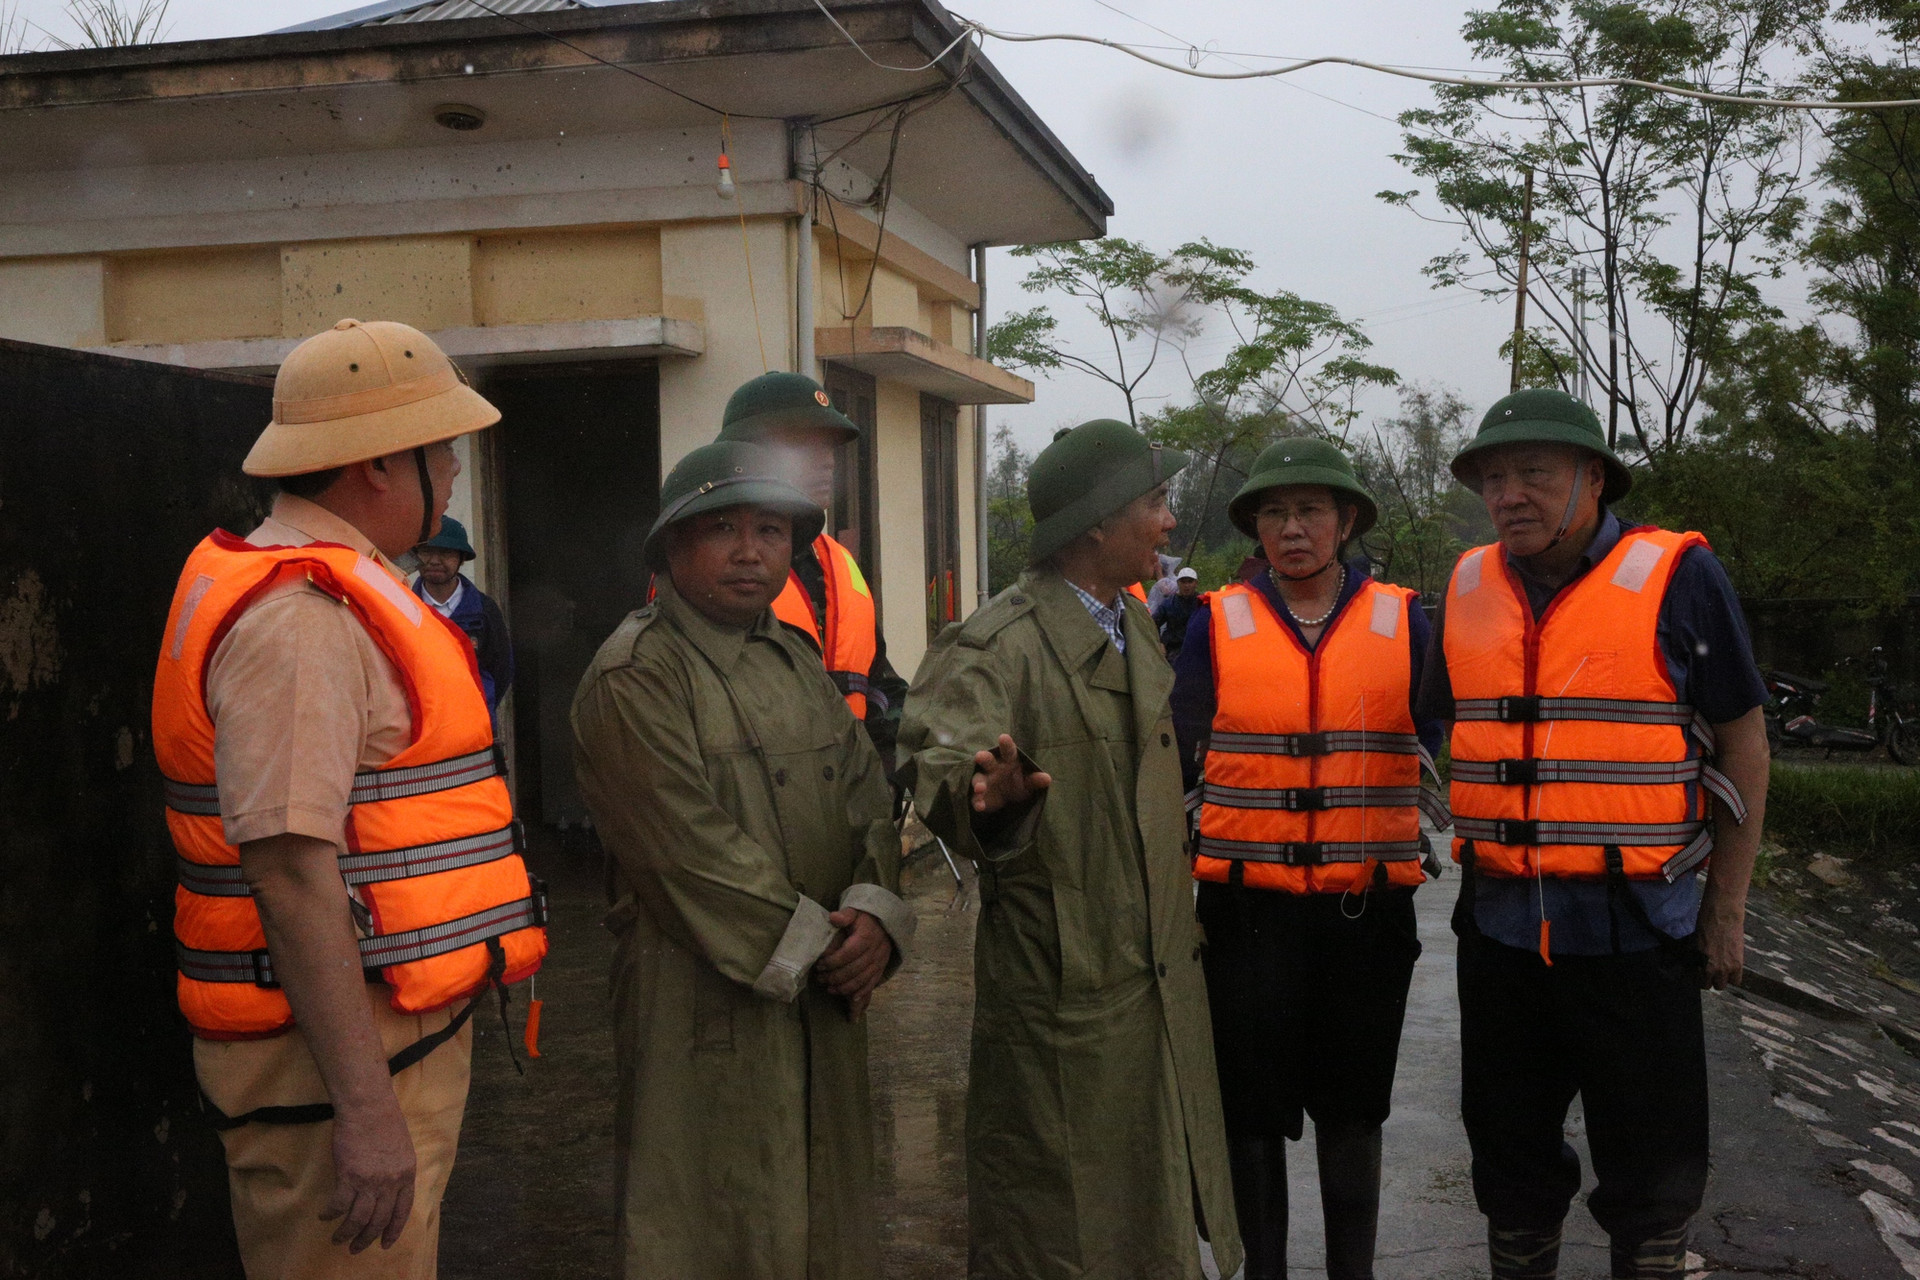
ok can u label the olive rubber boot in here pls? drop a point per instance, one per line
(1523, 1253)
(1662, 1256)
(1259, 1167)
(1349, 1197)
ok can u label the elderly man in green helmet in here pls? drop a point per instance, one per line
(1607, 738)
(1037, 741)
(827, 599)
(754, 873)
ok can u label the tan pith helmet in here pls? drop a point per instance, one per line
(360, 391)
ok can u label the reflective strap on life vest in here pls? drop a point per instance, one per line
(1527, 773)
(1696, 837)
(1315, 744)
(377, 952)
(855, 682)
(1309, 799)
(371, 786)
(226, 881)
(1532, 710)
(1311, 855)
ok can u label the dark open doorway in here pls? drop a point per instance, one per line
(580, 470)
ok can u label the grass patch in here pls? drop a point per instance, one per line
(1844, 808)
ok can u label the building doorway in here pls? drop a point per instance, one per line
(940, 508)
(854, 519)
(580, 479)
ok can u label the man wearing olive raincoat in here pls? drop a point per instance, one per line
(741, 805)
(1037, 740)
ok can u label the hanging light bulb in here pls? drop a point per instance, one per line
(726, 178)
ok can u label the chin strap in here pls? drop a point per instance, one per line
(426, 494)
(1573, 501)
(1305, 577)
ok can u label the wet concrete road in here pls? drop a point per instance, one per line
(532, 1193)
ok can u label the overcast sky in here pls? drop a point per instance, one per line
(1287, 169)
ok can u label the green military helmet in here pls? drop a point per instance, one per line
(1087, 474)
(1544, 415)
(775, 400)
(1301, 460)
(728, 473)
(452, 537)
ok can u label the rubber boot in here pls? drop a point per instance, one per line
(1663, 1256)
(1259, 1167)
(1523, 1253)
(1349, 1197)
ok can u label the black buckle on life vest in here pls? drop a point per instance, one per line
(1309, 855)
(1307, 799)
(1309, 744)
(519, 836)
(263, 972)
(1516, 773)
(537, 890)
(1516, 831)
(1519, 709)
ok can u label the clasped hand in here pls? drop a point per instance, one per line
(856, 964)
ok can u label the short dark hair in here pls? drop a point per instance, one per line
(312, 484)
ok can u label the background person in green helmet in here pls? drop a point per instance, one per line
(754, 873)
(1037, 742)
(1303, 680)
(1607, 736)
(828, 599)
(452, 593)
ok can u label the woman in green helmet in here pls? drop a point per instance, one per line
(1293, 701)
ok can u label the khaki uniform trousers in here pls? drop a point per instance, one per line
(281, 1175)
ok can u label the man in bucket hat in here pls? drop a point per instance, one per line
(320, 729)
(1607, 737)
(827, 598)
(445, 588)
(1037, 741)
(754, 873)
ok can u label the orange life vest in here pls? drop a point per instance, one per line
(432, 847)
(1138, 592)
(1572, 756)
(1313, 767)
(852, 639)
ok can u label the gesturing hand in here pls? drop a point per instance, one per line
(374, 1168)
(854, 966)
(1000, 779)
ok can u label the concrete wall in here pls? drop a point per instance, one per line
(903, 558)
(57, 301)
(704, 269)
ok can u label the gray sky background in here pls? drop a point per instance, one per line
(1286, 169)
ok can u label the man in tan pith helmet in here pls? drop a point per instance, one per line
(351, 885)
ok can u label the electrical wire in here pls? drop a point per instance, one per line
(1429, 77)
(966, 33)
(746, 250)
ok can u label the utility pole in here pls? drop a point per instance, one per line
(1580, 332)
(1520, 292)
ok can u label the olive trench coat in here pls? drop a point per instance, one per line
(1094, 1138)
(739, 802)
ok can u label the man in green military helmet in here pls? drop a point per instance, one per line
(827, 598)
(1607, 738)
(1038, 742)
(755, 873)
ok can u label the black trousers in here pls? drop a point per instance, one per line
(1623, 1032)
(1308, 993)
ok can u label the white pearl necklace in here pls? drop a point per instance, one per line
(1299, 621)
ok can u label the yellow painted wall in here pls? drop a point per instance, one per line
(832, 276)
(704, 261)
(194, 295)
(580, 274)
(424, 281)
(903, 554)
(57, 301)
(896, 300)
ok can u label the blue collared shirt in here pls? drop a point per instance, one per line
(1703, 637)
(1112, 618)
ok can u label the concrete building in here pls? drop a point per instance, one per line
(537, 184)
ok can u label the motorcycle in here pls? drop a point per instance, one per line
(1892, 720)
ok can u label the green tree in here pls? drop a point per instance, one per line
(1009, 519)
(1427, 518)
(1674, 210)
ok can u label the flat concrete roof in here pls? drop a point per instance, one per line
(977, 160)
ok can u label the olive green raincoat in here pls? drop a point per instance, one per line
(1094, 1138)
(739, 802)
